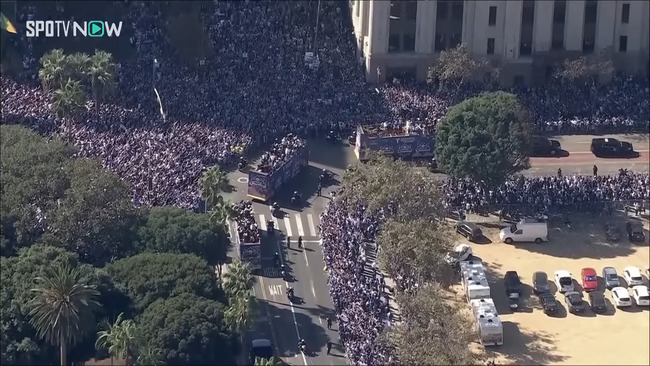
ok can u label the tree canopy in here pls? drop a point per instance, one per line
(148, 277)
(486, 138)
(173, 230)
(585, 69)
(189, 330)
(96, 216)
(457, 67)
(34, 175)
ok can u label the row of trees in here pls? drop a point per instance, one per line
(149, 273)
(68, 76)
(457, 67)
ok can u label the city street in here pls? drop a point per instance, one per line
(286, 323)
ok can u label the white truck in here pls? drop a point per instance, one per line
(483, 306)
(490, 329)
(477, 290)
(525, 231)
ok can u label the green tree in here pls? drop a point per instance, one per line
(148, 277)
(149, 356)
(122, 339)
(53, 69)
(238, 284)
(587, 69)
(188, 330)
(63, 307)
(102, 75)
(77, 66)
(212, 182)
(382, 182)
(96, 217)
(486, 138)
(173, 230)
(433, 331)
(222, 211)
(34, 176)
(273, 361)
(238, 279)
(68, 100)
(456, 67)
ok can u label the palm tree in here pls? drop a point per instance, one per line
(68, 100)
(212, 182)
(239, 312)
(149, 357)
(273, 361)
(53, 69)
(78, 65)
(221, 211)
(62, 311)
(102, 75)
(121, 338)
(239, 279)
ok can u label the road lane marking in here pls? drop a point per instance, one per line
(268, 315)
(293, 311)
(262, 222)
(275, 290)
(304, 252)
(320, 320)
(310, 222)
(287, 224)
(313, 289)
(234, 233)
(301, 231)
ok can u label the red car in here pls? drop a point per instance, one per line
(589, 279)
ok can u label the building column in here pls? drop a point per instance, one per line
(363, 18)
(637, 19)
(605, 24)
(574, 25)
(543, 25)
(425, 27)
(469, 11)
(377, 40)
(512, 29)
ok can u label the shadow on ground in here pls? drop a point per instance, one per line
(336, 156)
(522, 348)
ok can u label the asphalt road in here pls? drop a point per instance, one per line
(306, 317)
(286, 323)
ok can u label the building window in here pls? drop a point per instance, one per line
(395, 10)
(457, 10)
(440, 43)
(393, 43)
(455, 40)
(588, 46)
(559, 11)
(442, 11)
(622, 44)
(625, 14)
(492, 17)
(528, 13)
(490, 46)
(409, 43)
(411, 10)
(591, 11)
(525, 49)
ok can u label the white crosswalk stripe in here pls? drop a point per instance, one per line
(301, 231)
(293, 224)
(287, 226)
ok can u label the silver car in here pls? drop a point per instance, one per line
(610, 277)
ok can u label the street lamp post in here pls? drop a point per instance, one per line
(155, 75)
(316, 31)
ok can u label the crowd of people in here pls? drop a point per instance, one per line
(549, 192)
(247, 228)
(361, 308)
(280, 152)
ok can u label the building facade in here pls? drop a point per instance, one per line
(526, 38)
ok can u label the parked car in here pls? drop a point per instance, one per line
(621, 297)
(469, 230)
(540, 283)
(513, 288)
(261, 348)
(611, 278)
(460, 253)
(641, 296)
(574, 302)
(543, 146)
(563, 281)
(597, 302)
(589, 279)
(549, 304)
(632, 276)
(635, 231)
(611, 148)
(613, 232)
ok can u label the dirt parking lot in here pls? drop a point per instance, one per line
(618, 337)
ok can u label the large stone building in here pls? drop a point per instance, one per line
(525, 37)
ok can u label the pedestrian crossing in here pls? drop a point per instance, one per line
(291, 224)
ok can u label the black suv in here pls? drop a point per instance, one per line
(545, 147)
(635, 231)
(608, 147)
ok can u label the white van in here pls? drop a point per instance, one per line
(525, 232)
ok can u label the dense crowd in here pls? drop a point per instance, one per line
(280, 152)
(246, 225)
(555, 192)
(360, 303)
